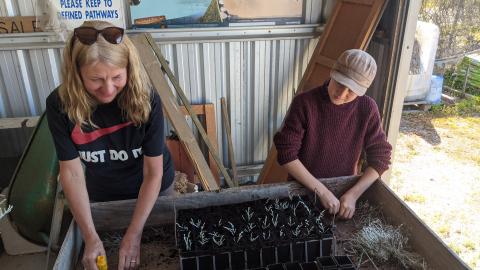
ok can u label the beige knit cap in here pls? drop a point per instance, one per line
(355, 69)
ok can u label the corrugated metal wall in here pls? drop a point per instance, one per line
(257, 78)
(256, 72)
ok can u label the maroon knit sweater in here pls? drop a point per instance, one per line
(328, 139)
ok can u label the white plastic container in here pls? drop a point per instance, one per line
(418, 85)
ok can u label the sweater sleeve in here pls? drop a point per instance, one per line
(377, 148)
(288, 140)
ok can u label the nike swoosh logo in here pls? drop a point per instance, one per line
(80, 137)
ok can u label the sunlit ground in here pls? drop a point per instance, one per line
(436, 170)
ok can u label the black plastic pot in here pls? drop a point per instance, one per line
(298, 252)
(205, 262)
(327, 247)
(344, 262)
(309, 266)
(253, 258)
(188, 263)
(313, 250)
(222, 261)
(238, 260)
(293, 266)
(277, 266)
(326, 263)
(283, 253)
(268, 256)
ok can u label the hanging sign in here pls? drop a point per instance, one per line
(18, 24)
(75, 12)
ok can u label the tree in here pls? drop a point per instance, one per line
(459, 24)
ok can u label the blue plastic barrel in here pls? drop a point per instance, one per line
(434, 96)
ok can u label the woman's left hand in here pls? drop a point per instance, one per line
(347, 206)
(129, 254)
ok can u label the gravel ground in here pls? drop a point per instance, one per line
(436, 170)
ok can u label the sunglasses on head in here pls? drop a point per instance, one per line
(88, 35)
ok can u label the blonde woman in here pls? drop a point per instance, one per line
(106, 116)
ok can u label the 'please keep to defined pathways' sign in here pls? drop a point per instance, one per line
(75, 12)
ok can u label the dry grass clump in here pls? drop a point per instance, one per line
(181, 181)
(382, 243)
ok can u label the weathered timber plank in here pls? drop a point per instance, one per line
(154, 70)
(117, 214)
(228, 131)
(208, 110)
(70, 250)
(18, 122)
(211, 147)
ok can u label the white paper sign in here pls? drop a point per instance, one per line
(75, 12)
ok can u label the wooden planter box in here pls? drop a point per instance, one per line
(110, 216)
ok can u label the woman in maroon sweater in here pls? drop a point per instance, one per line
(327, 128)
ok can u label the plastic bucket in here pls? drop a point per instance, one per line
(434, 96)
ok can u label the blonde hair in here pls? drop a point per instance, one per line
(134, 100)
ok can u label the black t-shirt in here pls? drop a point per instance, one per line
(113, 152)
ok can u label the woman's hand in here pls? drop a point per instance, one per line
(349, 199)
(129, 255)
(72, 179)
(328, 200)
(347, 206)
(93, 249)
(299, 172)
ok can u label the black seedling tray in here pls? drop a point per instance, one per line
(252, 235)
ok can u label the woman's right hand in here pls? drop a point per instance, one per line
(328, 200)
(93, 249)
(72, 178)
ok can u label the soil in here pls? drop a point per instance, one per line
(158, 249)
